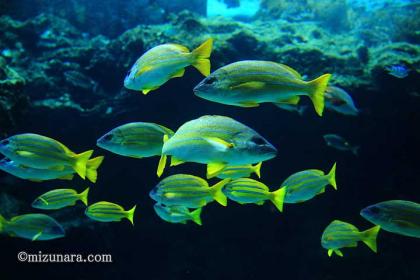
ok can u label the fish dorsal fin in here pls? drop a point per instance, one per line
(175, 161)
(219, 143)
(179, 73)
(214, 169)
(142, 70)
(291, 71)
(249, 85)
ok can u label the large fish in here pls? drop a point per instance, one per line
(42, 152)
(163, 62)
(397, 216)
(251, 82)
(217, 141)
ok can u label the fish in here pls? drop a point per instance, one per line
(188, 191)
(137, 140)
(339, 234)
(397, 70)
(251, 82)
(178, 214)
(396, 216)
(104, 211)
(38, 151)
(338, 100)
(217, 141)
(299, 109)
(163, 62)
(341, 144)
(240, 171)
(35, 227)
(39, 175)
(247, 190)
(60, 198)
(304, 185)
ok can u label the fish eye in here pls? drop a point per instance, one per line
(210, 80)
(258, 141)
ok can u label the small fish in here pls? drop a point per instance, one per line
(338, 100)
(60, 198)
(246, 190)
(398, 71)
(163, 62)
(37, 151)
(104, 211)
(340, 234)
(178, 214)
(35, 227)
(240, 171)
(251, 82)
(39, 175)
(304, 185)
(397, 216)
(189, 191)
(339, 143)
(217, 141)
(137, 140)
(299, 109)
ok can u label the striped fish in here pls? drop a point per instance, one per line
(163, 62)
(35, 227)
(178, 214)
(306, 184)
(37, 151)
(240, 171)
(104, 211)
(38, 175)
(138, 140)
(397, 216)
(217, 141)
(251, 82)
(188, 190)
(60, 198)
(340, 234)
(246, 190)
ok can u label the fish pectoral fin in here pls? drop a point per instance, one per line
(175, 161)
(36, 236)
(147, 90)
(292, 101)
(249, 86)
(24, 153)
(219, 143)
(248, 104)
(179, 73)
(142, 70)
(214, 169)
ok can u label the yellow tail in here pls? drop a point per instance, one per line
(277, 197)
(92, 167)
(369, 237)
(318, 87)
(83, 196)
(257, 169)
(130, 214)
(331, 176)
(3, 222)
(201, 57)
(81, 162)
(195, 216)
(216, 191)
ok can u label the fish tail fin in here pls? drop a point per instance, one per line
(81, 162)
(331, 176)
(130, 214)
(92, 167)
(201, 57)
(84, 196)
(318, 87)
(196, 216)
(2, 223)
(257, 169)
(277, 197)
(369, 237)
(216, 191)
(355, 150)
